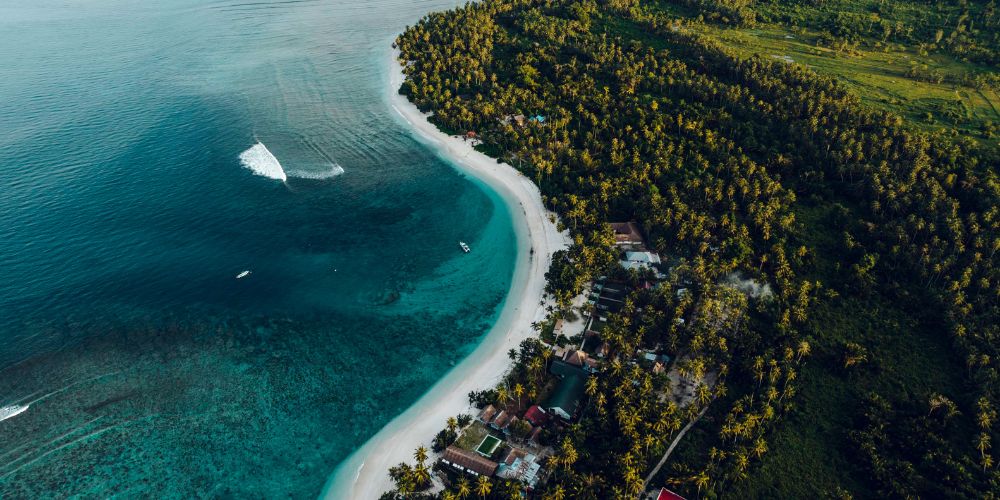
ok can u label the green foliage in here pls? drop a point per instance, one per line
(745, 165)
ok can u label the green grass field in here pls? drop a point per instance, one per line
(879, 77)
(879, 73)
(472, 436)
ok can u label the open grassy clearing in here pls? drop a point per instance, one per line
(879, 77)
(472, 437)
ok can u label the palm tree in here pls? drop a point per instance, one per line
(421, 475)
(462, 488)
(405, 486)
(701, 481)
(483, 486)
(452, 424)
(647, 441)
(704, 394)
(986, 461)
(803, 350)
(420, 454)
(586, 484)
(568, 454)
(513, 490)
(558, 493)
(983, 443)
(502, 396)
(546, 354)
(758, 369)
(759, 447)
(535, 366)
(742, 462)
(518, 391)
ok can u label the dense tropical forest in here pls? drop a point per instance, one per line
(840, 153)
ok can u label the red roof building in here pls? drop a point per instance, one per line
(666, 494)
(536, 415)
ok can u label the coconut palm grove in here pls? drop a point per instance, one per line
(783, 281)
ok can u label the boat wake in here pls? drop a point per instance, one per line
(259, 160)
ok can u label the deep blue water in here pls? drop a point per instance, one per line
(125, 215)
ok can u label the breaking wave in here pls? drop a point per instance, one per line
(259, 160)
(333, 171)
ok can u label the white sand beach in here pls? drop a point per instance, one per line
(364, 475)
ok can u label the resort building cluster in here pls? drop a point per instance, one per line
(513, 439)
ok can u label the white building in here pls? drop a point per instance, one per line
(640, 260)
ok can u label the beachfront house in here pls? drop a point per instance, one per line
(468, 462)
(522, 466)
(564, 401)
(501, 420)
(627, 234)
(486, 416)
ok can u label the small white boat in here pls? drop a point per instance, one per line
(465, 248)
(242, 275)
(12, 411)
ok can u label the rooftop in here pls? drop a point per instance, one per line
(566, 397)
(486, 416)
(666, 494)
(503, 418)
(645, 257)
(468, 461)
(536, 415)
(627, 233)
(522, 466)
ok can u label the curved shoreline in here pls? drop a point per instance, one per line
(365, 473)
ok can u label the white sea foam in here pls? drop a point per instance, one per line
(259, 160)
(12, 411)
(333, 171)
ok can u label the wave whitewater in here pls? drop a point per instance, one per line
(334, 171)
(261, 161)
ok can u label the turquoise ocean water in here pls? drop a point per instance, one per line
(148, 369)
